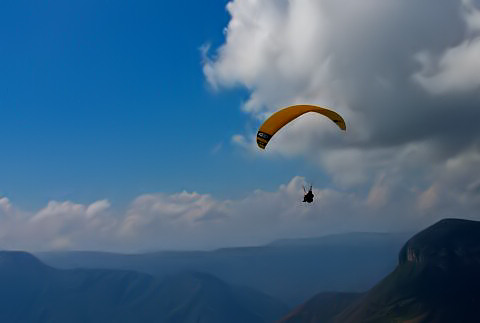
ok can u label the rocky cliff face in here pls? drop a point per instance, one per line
(437, 279)
(450, 242)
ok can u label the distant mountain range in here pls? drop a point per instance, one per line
(437, 280)
(291, 270)
(34, 292)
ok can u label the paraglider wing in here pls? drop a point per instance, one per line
(284, 116)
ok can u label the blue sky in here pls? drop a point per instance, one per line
(120, 132)
(107, 99)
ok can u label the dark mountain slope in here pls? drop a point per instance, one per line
(437, 279)
(322, 307)
(34, 292)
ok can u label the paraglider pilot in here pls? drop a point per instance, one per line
(308, 197)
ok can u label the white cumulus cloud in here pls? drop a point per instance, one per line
(404, 74)
(200, 221)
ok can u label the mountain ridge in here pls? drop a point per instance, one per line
(290, 273)
(34, 292)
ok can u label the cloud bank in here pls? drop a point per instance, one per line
(185, 220)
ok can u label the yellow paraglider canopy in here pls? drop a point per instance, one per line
(284, 116)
